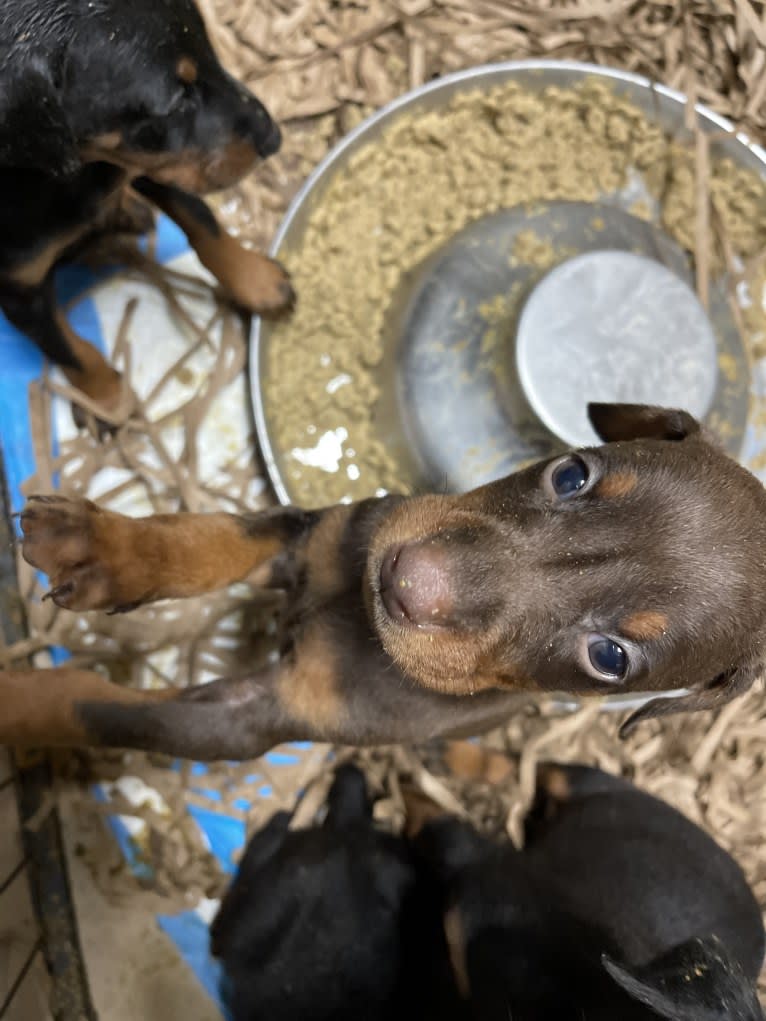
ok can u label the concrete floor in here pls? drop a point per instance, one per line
(134, 972)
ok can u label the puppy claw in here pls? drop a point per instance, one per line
(287, 293)
(43, 498)
(77, 545)
(59, 591)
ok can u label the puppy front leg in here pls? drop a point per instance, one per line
(97, 559)
(38, 708)
(255, 282)
(297, 699)
(33, 311)
(64, 707)
(234, 718)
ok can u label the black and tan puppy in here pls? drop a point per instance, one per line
(101, 102)
(634, 566)
(515, 953)
(343, 921)
(328, 923)
(618, 908)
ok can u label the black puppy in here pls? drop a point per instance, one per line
(638, 868)
(329, 922)
(101, 100)
(595, 923)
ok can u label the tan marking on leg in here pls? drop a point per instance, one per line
(254, 281)
(38, 707)
(644, 625)
(309, 690)
(456, 948)
(102, 560)
(219, 543)
(616, 485)
(96, 377)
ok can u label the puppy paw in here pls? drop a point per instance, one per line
(260, 284)
(275, 292)
(103, 385)
(80, 547)
(107, 423)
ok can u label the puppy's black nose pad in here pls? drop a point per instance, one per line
(272, 143)
(258, 126)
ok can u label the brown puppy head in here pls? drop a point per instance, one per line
(635, 566)
(136, 84)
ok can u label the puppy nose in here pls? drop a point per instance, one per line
(255, 123)
(270, 143)
(415, 585)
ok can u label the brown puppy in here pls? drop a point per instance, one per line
(635, 566)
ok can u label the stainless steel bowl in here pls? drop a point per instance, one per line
(414, 398)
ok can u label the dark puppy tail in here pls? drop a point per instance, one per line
(348, 801)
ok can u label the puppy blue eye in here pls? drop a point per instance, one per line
(569, 477)
(606, 656)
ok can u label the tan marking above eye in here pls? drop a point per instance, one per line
(644, 625)
(187, 70)
(615, 485)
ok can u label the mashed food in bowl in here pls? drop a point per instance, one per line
(401, 197)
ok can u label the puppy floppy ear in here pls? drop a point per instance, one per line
(615, 422)
(694, 981)
(722, 689)
(34, 131)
